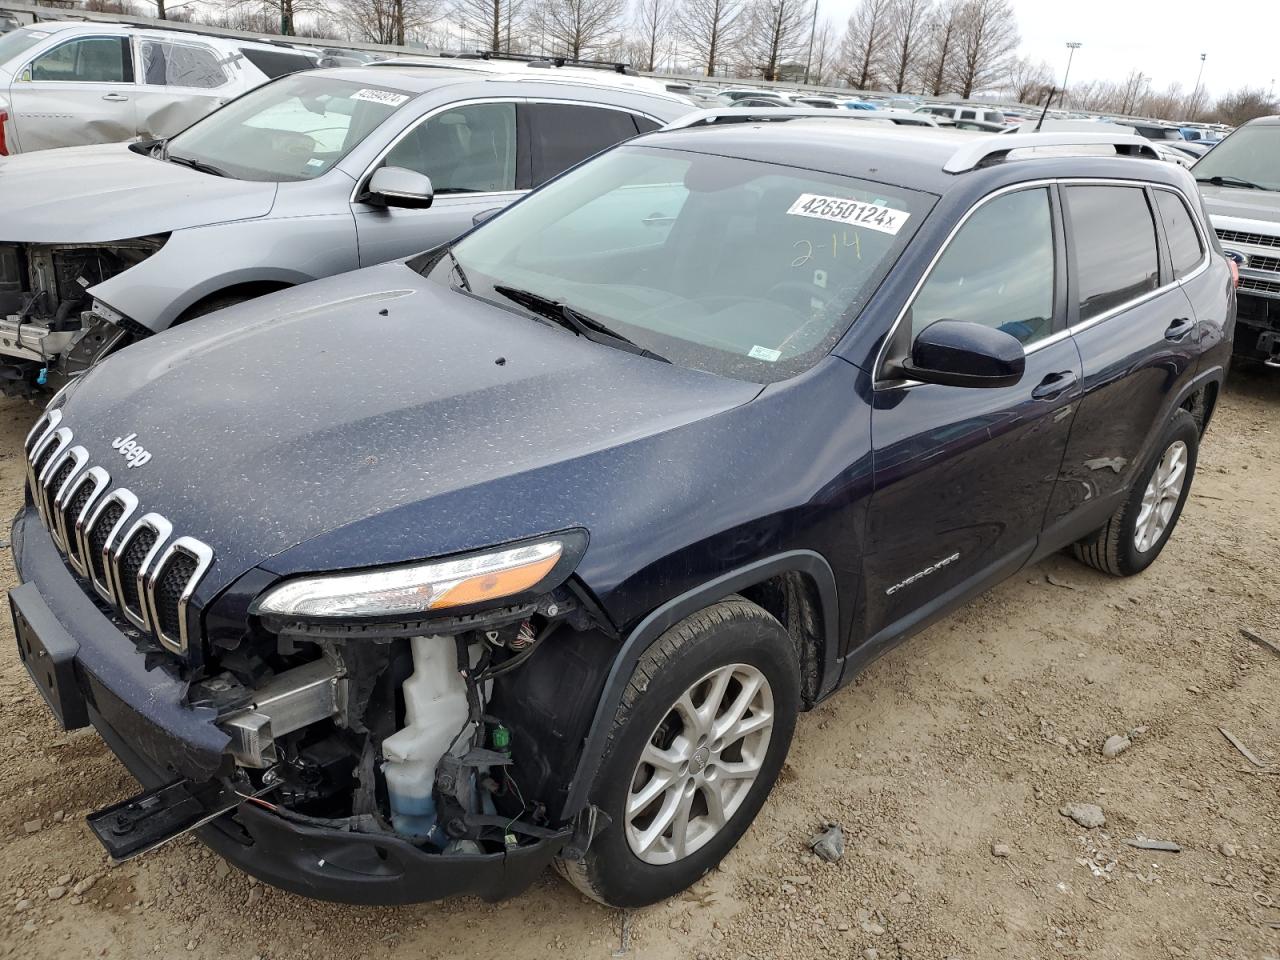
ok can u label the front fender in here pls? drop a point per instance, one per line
(199, 262)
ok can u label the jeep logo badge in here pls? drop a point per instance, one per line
(131, 450)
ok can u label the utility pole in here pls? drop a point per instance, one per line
(1195, 93)
(813, 32)
(1072, 47)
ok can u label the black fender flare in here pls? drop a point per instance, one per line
(672, 612)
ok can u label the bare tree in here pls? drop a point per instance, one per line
(1244, 104)
(578, 27)
(865, 40)
(908, 24)
(944, 38)
(386, 21)
(710, 28)
(651, 27)
(284, 13)
(494, 23)
(1132, 92)
(777, 32)
(1028, 80)
(989, 33)
(825, 48)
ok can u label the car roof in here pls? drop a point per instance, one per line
(916, 158)
(417, 79)
(176, 31)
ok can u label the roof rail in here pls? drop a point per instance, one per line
(723, 115)
(536, 60)
(987, 151)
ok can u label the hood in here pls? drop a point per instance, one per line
(295, 415)
(1258, 205)
(108, 192)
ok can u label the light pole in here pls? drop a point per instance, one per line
(1072, 47)
(813, 32)
(1195, 93)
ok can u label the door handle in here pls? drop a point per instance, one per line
(657, 220)
(1179, 329)
(115, 97)
(1054, 385)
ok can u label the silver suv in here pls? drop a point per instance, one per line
(311, 175)
(68, 84)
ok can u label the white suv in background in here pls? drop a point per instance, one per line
(65, 84)
(962, 112)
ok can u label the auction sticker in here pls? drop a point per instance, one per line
(384, 97)
(854, 213)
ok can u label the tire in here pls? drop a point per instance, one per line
(734, 638)
(212, 305)
(1115, 549)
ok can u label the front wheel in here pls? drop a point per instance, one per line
(1139, 529)
(695, 747)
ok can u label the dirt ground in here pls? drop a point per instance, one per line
(959, 745)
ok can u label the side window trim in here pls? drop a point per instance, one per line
(1162, 239)
(363, 180)
(126, 46)
(898, 339)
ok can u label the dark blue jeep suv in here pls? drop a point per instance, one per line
(409, 582)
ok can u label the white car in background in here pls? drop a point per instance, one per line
(65, 84)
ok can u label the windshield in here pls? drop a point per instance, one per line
(15, 44)
(745, 269)
(296, 128)
(1250, 154)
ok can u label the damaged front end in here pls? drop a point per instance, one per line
(50, 326)
(394, 735)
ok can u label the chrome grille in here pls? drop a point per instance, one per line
(1261, 286)
(135, 564)
(1254, 239)
(1265, 263)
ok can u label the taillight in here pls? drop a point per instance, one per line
(4, 143)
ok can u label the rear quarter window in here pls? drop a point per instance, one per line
(277, 63)
(1185, 249)
(1114, 240)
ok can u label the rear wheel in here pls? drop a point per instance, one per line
(694, 750)
(1139, 529)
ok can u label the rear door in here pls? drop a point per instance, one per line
(1138, 339)
(78, 92)
(179, 82)
(963, 475)
(473, 154)
(564, 134)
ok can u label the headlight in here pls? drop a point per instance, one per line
(412, 590)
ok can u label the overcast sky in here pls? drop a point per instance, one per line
(1162, 38)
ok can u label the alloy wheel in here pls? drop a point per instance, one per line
(699, 764)
(1161, 497)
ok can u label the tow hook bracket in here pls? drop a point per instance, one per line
(157, 816)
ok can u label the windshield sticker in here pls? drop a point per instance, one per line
(855, 213)
(764, 353)
(384, 97)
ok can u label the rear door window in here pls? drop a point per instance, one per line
(1116, 257)
(565, 134)
(181, 65)
(1185, 249)
(87, 60)
(997, 271)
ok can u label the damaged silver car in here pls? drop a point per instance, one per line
(313, 174)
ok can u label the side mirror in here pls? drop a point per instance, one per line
(399, 187)
(484, 215)
(960, 353)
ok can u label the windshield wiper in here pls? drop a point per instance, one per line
(571, 319)
(462, 274)
(1230, 181)
(195, 164)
